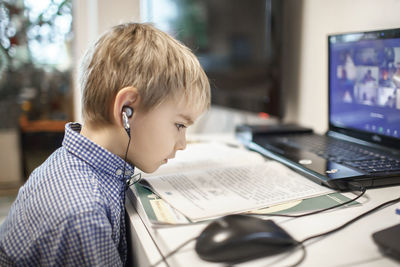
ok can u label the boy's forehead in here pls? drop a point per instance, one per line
(188, 109)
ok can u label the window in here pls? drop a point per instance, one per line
(35, 65)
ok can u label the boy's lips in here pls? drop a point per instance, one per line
(166, 160)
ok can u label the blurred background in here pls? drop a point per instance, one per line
(266, 60)
(36, 62)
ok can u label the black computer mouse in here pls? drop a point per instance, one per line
(239, 238)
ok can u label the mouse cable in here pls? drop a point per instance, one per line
(164, 258)
(303, 256)
(358, 188)
(362, 215)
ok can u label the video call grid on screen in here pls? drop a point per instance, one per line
(365, 81)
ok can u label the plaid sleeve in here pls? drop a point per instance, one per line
(86, 240)
(82, 240)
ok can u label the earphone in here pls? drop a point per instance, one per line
(127, 113)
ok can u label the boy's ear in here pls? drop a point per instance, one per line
(127, 96)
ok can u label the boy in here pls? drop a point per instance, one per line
(138, 84)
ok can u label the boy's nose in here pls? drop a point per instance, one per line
(181, 143)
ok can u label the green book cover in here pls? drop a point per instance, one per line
(158, 211)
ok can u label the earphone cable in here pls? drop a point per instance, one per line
(125, 158)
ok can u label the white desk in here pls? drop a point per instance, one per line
(352, 246)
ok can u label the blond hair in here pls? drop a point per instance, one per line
(141, 56)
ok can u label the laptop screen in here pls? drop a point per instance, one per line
(364, 83)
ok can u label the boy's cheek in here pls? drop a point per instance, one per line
(149, 160)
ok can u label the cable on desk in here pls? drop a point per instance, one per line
(383, 205)
(303, 256)
(174, 251)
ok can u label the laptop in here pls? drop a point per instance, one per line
(362, 143)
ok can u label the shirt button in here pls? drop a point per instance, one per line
(118, 172)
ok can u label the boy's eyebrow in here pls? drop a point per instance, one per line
(186, 118)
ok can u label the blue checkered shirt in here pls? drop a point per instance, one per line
(71, 211)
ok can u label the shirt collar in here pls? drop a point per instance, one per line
(96, 156)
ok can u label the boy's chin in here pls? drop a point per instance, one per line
(149, 169)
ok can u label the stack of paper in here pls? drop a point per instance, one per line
(208, 180)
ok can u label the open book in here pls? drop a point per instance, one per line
(208, 180)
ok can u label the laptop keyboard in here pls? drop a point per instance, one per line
(346, 153)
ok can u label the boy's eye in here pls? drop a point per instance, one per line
(180, 126)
